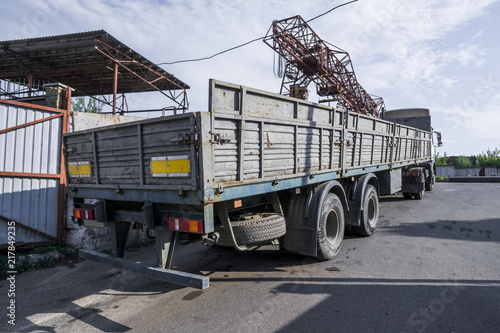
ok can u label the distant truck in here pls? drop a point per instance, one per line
(255, 168)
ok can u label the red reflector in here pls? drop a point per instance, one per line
(411, 174)
(86, 214)
(185, 225)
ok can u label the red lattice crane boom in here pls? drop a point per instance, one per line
(309, 59)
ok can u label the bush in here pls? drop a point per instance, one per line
(490, 159)
(442, 160)
(462, 162)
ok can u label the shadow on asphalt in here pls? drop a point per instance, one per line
(487, 230)
(375, 305)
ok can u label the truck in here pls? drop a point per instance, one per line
(255, 168)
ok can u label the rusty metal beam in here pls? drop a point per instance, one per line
(309, 59)
(30, 175)
(115, 86)
(31, 123)
(33, 106)
(62, 169)
(113, 54)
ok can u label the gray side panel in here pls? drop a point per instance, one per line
(368, 141)
(411, 145)
(268, 136)
(121, 155)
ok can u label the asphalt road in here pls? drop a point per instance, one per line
(432, 266)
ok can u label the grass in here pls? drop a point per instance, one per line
(442, 179)
(28, 264)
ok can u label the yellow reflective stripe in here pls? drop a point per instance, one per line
(163, 166)
(178, 166)
(79, 169)
(159, 166)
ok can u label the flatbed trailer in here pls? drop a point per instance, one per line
(256, 167)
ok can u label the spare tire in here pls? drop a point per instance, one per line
(253, 229)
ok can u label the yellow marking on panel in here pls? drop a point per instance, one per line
(159, 166)
(80, 169)
(162, 167)
(178, 166)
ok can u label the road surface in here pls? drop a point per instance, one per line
(433, 265)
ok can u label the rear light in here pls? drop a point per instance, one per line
(85, 214)
(185, 225)
(411, 174)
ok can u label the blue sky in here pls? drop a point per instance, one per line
(439, 54)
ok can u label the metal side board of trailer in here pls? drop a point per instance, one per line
(205, 174)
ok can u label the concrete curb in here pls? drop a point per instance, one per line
(474, 180)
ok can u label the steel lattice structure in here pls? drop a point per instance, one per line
(309, 59)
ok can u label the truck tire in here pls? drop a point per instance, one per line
(407, 195)
(330, 227)
(428, 187)
(369, 212)
(253, 229)
(419, 195)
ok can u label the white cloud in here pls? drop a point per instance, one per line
(408, 51)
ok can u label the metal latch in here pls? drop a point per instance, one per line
(343, 142)
(219, 139)
(186, 138)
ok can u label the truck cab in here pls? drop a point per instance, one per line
(418, 179)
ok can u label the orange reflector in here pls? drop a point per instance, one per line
(185, 225)
(238, 204)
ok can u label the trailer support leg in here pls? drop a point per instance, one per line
(165, 243)
(119, 235)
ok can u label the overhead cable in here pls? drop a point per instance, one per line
(249, 42)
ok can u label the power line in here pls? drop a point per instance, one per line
(249, 42)
(344, 4)
(213, 55)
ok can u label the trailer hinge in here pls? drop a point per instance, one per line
(343, 142)
(186, 138)
(219, 190)
(219, 139)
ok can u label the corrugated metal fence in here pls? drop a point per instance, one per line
(451, 171)
(32, 176)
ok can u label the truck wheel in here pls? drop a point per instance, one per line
(370, 212)
(428, 187)
(330, 227)
(253, 229)
(407, 195)
(419, 195)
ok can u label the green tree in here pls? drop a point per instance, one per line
(462, 162)
(92, 106)
(490, 159)
(442, 160)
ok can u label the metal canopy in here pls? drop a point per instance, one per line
(93, 63)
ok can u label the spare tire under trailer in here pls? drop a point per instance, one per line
(329, 222)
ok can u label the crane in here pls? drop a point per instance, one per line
(307, 58)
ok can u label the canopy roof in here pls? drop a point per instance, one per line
(85, 62)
